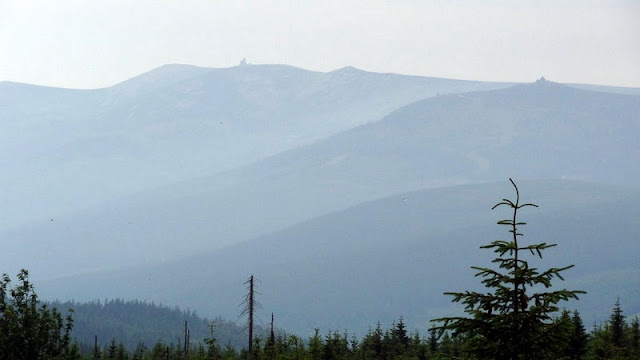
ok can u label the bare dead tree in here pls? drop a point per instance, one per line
(249, 306)
(96, 349)
(186, 340)
(272, 334)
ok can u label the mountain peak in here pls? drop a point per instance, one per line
(348, 69)
(544, 82)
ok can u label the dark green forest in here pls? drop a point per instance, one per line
(522, 315)
(134, 322)
(614, 339)
(124, 325)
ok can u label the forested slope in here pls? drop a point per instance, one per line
(133, 322)
(395, 257)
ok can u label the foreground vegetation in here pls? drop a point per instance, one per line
(24, 320)
(514, 319)
(518, 318)
(612, 340)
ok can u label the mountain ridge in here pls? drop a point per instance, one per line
(328, 173)
(194, 121)
(527, 131)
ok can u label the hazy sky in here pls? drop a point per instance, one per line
(97, 43)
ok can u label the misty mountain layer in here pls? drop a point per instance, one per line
(396, 256)
(540, 130)
(65, 150)
(354, 196)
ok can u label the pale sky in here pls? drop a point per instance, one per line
(97, 43)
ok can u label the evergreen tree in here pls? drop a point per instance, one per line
(433, 341)
(316, 350)
(140, 351)
(121, 352)
(599, 345)
(635, 338)
(296, 345)
(372, 343)
(213, 350)
(419, 349)
(256, 352)
(112, 350)
(229, 353)
(30, 330)
(400, 334)
(564, 321)
(511, 322)
(336, 347)
(158, 351)
(449, 347)
(200, 353)
(617, 325)
(354, 344)
(575, 338)
(578, 340)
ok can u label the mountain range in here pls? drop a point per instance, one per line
(355, 197)
(64, 150)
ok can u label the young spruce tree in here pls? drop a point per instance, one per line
(513, 320)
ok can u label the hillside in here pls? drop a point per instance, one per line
(395, 257)
(540, 130)
(177, 185)
(66, 150)
(135, 322)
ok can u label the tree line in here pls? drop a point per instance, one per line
(614, 339)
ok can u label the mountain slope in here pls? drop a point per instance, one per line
(395, 256)
(541, 130)
(609, 89)
(63, 150)
(135, 322)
